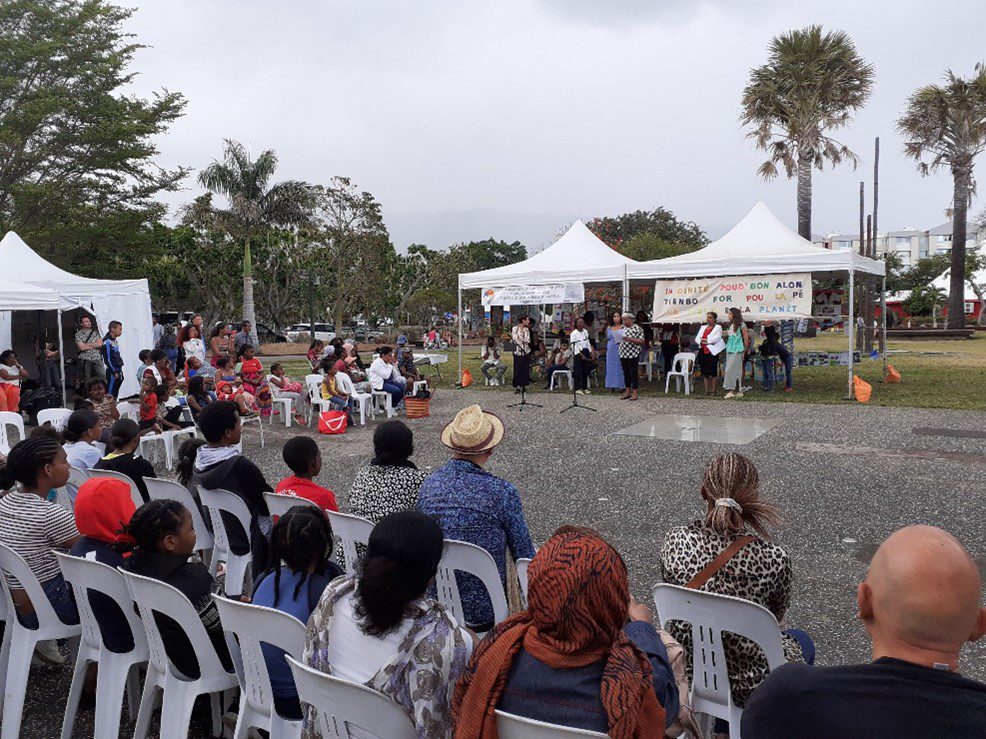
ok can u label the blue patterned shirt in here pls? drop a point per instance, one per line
(475, 506)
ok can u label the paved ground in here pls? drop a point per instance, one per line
(843, 476)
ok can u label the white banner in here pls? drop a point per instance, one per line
(760, 297)
(572, 292)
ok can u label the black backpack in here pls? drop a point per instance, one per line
(40, 399)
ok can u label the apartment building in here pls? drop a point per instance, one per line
(909, 244)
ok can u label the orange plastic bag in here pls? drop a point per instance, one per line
(893, 376)
(861, 389)
(466, 379)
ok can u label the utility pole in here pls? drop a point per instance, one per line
(862, 252)
(876, 235)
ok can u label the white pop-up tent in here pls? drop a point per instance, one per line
(127, 301)
(578, 256)
(761, 244)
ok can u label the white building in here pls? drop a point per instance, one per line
(909, 244)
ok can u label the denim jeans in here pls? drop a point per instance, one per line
(61, 599)
(767, 365)
(396, 392)
(551, 371)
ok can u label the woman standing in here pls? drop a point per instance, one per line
(737, 346)
(614, 337)
(219, 342)
(193, 345)
(629, 351)
(521, 337)
(710, 345)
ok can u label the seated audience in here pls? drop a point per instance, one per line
(219, 464)
(473, 505)
(301, 548)
(229, 386)
(493, 368)
(103, 508)
(330, 390)
(379, 629)
(354, 363)
(165, 540)
(197, 395)
(251, 372)
(920, 603)
(193, 344)
(33, 527)
(584, 654)
(303, 458)
(124, 440)
(759, 572)
(772, 349)
(315, 353)
(390, 483)
(561, 360)
(282, 386)
(160, 369)
(78, 436)
(104, 405)
(148, 413)
(11, 374)
(144, 355)
(384, 375)
(406, 367)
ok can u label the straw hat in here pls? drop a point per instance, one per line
(473, 431)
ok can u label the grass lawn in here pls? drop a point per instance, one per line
(936, 374)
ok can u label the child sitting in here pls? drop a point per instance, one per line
(230, 387)
(144, 355)
(334, 391)
(303, 458)
(283, 386)
(197, 397)
(251, 372)
(104, 405)
(165, 540)
(301, 546)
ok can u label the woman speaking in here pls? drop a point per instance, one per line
(521, 336)
(710, 345)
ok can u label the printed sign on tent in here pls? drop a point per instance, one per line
(572, 292)
(760, 297)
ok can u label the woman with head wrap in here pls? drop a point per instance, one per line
(584, 654)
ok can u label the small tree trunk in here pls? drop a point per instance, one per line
(249, 310)
(804, 197)
(338, 312)
(956, 288)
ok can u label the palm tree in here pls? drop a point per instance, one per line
(810, 84)
(947, 125)
(254, 204)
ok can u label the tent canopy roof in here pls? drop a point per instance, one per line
(578, 256)
(759, 244)
(21, 296)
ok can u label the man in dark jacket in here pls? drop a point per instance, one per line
(111, 358)
(220, 465)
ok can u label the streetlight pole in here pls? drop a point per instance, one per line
(313, 280)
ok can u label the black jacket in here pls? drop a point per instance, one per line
(133, 466)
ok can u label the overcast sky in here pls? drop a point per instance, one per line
(510, 118)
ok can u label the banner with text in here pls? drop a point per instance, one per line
(572, 292)
(760, 297)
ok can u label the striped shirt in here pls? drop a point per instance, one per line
(31, 526)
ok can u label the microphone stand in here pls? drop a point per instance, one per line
(575, 397)
(523, 393)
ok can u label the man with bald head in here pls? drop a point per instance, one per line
(920, 603)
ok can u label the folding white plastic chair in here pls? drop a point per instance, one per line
(118, 671)
(19, 641)
(284, 410)
(647, 361)
(128, 409)
(350, 530)
(382, 402)
(464, 557)
(180, 691)
(171, 435)
(148, 441)
(509, 726)
(556, 377)
(522, 565)
(340, 704)
(76, 477)
(159, 489)
(253, 420)
(252, 625)
(135, 494)
(9, 418)
(681, 369)
(278, 504)
(57, 417)
(237, 565)
(710, 615)
(364, 404)
(419, 385)
(316, 404)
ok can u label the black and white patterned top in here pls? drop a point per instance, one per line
(627, 349)
(759, 572)
(380, 490)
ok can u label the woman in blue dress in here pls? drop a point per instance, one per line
(614, 335)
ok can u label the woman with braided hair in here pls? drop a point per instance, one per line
(757, 570)
(301, 548)
(584, 654)
(33, 527)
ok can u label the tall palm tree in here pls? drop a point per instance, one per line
(254, 204)
(810, 84)
(945, 126)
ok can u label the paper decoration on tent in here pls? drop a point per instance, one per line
(760, 297)
(572, 292)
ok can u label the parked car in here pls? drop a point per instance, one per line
(268, 335)
(302, 332)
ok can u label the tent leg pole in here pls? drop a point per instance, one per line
(61, 358)
(626, 291)
(459, 315)
(851, 329)
(883, 328)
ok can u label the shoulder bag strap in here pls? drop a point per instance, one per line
(717, 564)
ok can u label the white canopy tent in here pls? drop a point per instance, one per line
(762, 244)
(17, 296)
(578, 256)
(127, 301)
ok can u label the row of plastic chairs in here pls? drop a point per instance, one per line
(367, 404)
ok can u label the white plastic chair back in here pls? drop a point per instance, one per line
(253, 625)
(115, 674)
(710, 615)
(315, 401)
(279, 504)
(129, 410)
(159, 489)
(76, 477)
(340, 703)
(9, 418)
(522, 565)
(350, 530)
(57, 417)
(236, 564)
(464, 557)
(682, 367)
(135, 495)
(509, 726)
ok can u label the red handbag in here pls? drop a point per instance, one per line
(332, 422)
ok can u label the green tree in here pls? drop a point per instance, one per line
(923, 271)
(254, 205)
(945, 126)
(77, 176)
(810, 85)
(663, 224)
(646, 246)
(924, 300)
